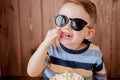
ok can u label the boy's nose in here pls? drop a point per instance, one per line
(68, 27)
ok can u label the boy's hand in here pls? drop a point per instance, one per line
(51, 36)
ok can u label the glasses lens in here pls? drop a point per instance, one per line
(61, 20)
(78, 24)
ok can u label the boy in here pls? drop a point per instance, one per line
(67, 46)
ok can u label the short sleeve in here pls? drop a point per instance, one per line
(51, 50)
(99, 69)
(47, 61)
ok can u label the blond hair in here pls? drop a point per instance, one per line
(89, 7)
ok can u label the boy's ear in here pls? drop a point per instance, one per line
(90, 34)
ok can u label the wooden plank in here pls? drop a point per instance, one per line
(115, 66)
(30, 28)
(103, 29)
(9, 38)
(1, 12)
(50, 9)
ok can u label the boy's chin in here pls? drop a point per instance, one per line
(65, 42)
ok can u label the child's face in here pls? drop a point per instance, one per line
(69, 35)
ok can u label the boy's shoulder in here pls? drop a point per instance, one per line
(94, 47)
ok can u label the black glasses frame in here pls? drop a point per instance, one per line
(76, 23)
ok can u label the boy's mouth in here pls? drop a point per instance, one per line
(67, 36)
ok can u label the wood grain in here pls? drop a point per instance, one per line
(10, 38)
(115, 64)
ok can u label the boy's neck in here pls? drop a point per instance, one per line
(76, 46)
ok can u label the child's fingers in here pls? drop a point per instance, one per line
(59, 33)
(54, 34)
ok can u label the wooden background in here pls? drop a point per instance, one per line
(24, 23)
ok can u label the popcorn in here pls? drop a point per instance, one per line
(67, 76)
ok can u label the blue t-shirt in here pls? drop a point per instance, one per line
(87, 62)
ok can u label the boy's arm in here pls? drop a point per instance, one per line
(36, 62)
